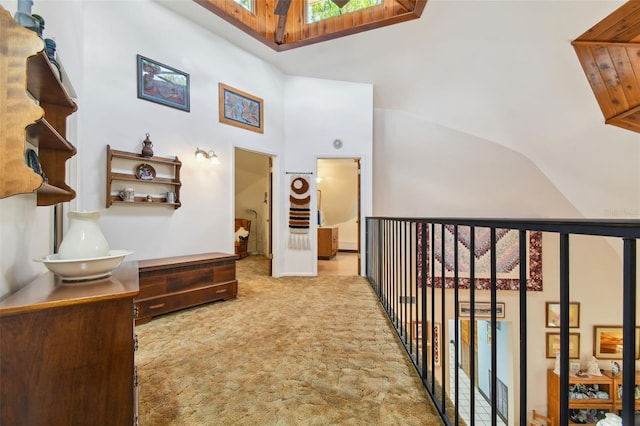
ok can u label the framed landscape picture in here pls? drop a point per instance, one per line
(553, 345)
(240, 109)
(162, 84)
(481, 309)
(608, 342)
(553, 314)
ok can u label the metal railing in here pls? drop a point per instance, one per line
(424, 273)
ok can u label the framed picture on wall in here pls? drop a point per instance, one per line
(240, 109)
(553, 345)
(608, 342)
(553, 314)
(481, 309)
(162, 84)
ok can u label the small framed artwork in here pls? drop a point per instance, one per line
(481, 309)
(553, 345)
(553, 314)
(240, 109)
(162, 84)
(608, 342)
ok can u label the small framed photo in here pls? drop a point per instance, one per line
(240, 109)
(481, 309)
(162, 84)
(608, 342)
(553, 345)
(553, 314)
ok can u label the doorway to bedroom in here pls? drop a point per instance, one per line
(253, 206)
(338, 184)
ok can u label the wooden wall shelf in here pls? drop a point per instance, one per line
(41, 122)
(121, 168)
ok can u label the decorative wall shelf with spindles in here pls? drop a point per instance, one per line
(121, 174)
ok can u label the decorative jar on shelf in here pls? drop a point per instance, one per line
(84, 239)
(147, 149)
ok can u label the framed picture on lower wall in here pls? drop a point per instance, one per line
(480, 309)
(607, 342)
(553, 345)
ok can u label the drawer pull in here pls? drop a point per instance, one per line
(156, 306)
(224, 290)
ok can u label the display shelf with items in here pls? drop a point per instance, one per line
(137, 180)
(586, 394)
(43, 112)
(617, 386)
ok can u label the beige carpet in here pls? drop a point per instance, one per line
(287, 351)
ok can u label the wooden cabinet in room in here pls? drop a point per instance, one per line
(327, 242)
(174, 283)
(607, 383)
(37, 105)
(123, 170)
(68, 352)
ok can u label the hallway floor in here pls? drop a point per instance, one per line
(343, 263)
(482, 407)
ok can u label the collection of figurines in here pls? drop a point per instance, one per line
(36, 24)
(593, 391)
(593, 368)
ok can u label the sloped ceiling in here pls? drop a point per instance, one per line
(610, 56)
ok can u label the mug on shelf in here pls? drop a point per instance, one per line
(128, 195)
(171, 197)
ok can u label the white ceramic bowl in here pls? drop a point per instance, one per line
(84, 269)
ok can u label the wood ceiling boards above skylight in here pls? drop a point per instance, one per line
(609, 53)
(282, 24)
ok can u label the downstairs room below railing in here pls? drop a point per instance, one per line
(509, 314)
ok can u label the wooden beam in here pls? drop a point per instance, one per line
(407, 4)
(282, 7)
(282, 22)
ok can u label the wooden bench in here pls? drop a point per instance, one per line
(173, 283)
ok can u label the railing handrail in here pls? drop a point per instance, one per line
(622, 228)
(394, 255)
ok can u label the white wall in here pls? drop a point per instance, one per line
(112, 114)
(425, 169)
(99, 53)
(26, 232)
(318, 112)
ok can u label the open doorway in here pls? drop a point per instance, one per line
(338, 216)
(253, 207)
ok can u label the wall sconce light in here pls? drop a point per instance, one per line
(211, 156)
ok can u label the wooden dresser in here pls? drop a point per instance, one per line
(173, 283)
(68, 352)
(327, 242)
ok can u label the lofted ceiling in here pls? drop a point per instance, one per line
(281, 24)
(610, 56)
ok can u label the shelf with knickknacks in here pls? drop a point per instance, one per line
(142, 179)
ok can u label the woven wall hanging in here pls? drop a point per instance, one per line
(299, 212)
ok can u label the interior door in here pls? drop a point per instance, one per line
(270, 214)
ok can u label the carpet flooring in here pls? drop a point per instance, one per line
(287, 351)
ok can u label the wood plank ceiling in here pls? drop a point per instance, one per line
(281, 24)
(610, 57)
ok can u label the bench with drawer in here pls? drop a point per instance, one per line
(174, 283)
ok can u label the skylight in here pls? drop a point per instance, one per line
(247, 4)
(318, 10)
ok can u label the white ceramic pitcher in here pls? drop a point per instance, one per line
(84, 239)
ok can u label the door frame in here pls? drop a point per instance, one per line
(358, 161)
